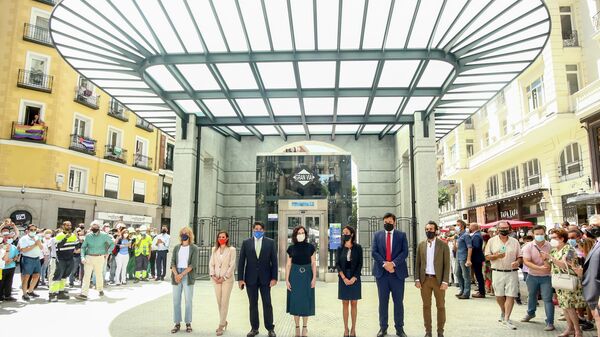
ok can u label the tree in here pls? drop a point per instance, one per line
(443, 196)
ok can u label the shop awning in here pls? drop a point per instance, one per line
(501, 200)
(275, 67)
(513, 224)
(584, 199)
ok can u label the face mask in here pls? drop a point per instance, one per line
(95, 230)
(430, 235)
(467, 231)
(346, 237)
(31, 234)
(300, 237)
(48, 236)
(143, 233)
(539, 238)
(164, 231)
(388, 226)
(81, 238)
(572, 242)
(593, 232)
(106, 230)
(259, 235)
(9, 241)
(125, 235)
(504, 232)
(451, 233)
(554, 243)
(185, 237)
(222, 241)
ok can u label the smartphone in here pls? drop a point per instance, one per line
(503, 249)
(242, 288)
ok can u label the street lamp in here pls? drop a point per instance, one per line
(543, 204)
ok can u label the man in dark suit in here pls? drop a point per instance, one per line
(477, 258)
(433, 272)
(591, 271)
(390, 250)
(257, 271)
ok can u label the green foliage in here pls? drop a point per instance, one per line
(443, 196)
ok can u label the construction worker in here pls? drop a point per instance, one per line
(142, 251)
(64, 247)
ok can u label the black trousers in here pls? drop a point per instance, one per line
(161, 263)
(265, 295)
(63, 269)
(153, 263)
(478, 270)
(7, 282)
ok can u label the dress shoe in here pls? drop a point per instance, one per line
(382, 332)
(252, 333)
(272, 333)
(478, 295)
(440, 334)
(463, 297)
(428, 334)
(400, 333)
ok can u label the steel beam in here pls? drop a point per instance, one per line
(290, 120)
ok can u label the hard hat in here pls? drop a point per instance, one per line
(143, 228)
(131, 230)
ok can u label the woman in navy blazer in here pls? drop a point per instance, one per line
(349, 261)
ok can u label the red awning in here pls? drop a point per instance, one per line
(513, 224)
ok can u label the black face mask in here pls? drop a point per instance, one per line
(504, 232)
(95, 230)
(346, 237)
(388, 226)
(164, 231)
(593, 232)
(430, 235)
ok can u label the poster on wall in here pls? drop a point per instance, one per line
(335, 235)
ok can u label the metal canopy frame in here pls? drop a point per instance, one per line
(168, 59)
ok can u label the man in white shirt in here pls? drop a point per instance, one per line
(30, 247)
(161, 242)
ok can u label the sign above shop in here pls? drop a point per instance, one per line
(129, 218)
(302, 204)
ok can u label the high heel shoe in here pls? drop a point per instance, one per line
(304, 331)
(298, 331)
(221, 329)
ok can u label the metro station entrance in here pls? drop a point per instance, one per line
(312, 214)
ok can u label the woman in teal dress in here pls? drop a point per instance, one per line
(301, 277)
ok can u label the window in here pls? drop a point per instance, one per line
(572, 78)
(40, 18)
(492, 186)
(116, 107)
(28, 111)
(81, 126)
(111, 186)
(569, 34)
(469, 123)
(166, 194)
(114, 137)
(504, 127)
(452, 153)
(38, 67)
(472, 193)
(470, 148)
(486, 139)
(531, 172)
(535, 94)
(169, 156)
(139, 191)
(77, 180)
(570, 162)
(84, 84)
(510, 179)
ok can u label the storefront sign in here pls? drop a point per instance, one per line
(303, 204)
(303, 177)
(21, 218)
(508, 214)
(335, 235)
(129, 218)
(272, 216)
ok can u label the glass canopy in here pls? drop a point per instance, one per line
(276, 67)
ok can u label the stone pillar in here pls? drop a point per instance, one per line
(184, 178)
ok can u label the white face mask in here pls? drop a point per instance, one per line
(554, 243)
(301, 237)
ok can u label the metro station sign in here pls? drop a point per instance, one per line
(304, 177)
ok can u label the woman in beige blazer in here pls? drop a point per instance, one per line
(222, 265)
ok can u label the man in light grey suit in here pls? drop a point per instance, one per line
(591, 271)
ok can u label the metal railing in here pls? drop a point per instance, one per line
(35, 80)
(143, 124)
(83, 144)
(31, 133)
(596, 22)
(118, 112)
(48, 2)
(37, 34)
(115, 153)
(142, 161)
(571, 40)
(571, 170)
(87, 97)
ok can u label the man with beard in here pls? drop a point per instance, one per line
(62, 264)
(94, 251)
(142, 250)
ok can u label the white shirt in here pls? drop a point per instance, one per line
(27, 241)
(165, 238)
(430, 268)
(183, 256)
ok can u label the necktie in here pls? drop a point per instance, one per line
(257, 245)
(388, 247)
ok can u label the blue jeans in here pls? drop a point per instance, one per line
(536, 284)
(188, 292)
(463, 275)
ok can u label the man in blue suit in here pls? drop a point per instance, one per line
(390, 250)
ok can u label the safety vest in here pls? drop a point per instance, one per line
(65, 248)
(142, 245)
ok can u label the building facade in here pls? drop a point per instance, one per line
(70, 152)
(531, 152)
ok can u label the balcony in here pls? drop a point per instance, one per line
(572, 170)
(35, 80)
(587, 100)
(571, 40)
(37, 34)
(87, 97)
(117, 111)
(35, 133)
(143, 124)
(83, 144)
(115, 153)
(596, 22)
(168, 165)
(142, 161)
(48, 2)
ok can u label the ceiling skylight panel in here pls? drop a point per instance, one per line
(397, 73)
(279, 24)
(304, 32)
(255, 24)
(416, 104)
(252, 107)
(472, 9)
(352, 18)
(317, 74)
(242, 130)
(488, 15)
(321, 129)
(150, 108)
(435, 74)
(160, 25)
(448, 16)
(129, 10)
(373, 128)
(188, 106)
(327, 24)
(199, 76)
(400, 24)
(424, 22)
(95, 65)
(527, 56)
(478, 87)
(511, 67)
(232, 26)
(237, 75)
(385, 105)
(285, 106)
(153, 114)
(91, 74)
(357, 74)
(464, 104)
(318, 106)
(514, 37)
(346, 128)
(478, 96)
(204, 18)
(277, 75)
(219, 107)
(64, 40)
(141, 100)
(484, 78)
(104, 84)
(164, 78)
(186, 30)
(294, 129)
(377, 17)
(352, 105)
(128, 92)
(268, 130)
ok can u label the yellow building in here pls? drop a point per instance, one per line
(69, 152)
(526, 154)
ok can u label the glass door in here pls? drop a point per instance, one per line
(314, 224)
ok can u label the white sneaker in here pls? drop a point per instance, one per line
(510, 325)
(501, 319)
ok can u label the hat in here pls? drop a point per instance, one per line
(131, 230)
(143, 228)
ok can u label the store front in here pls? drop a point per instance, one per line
(128, 219)
(75, 216)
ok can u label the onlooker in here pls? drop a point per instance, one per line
(131, 263)
(301, 278)
(478, 259)
(8, 271)
(504, 253)
(47, 242)
(142, 249)
(77, 266)
(30, 247)
(538, 278)
(152, 261)
(563, 259)
(183, 262)
(433, 270)
(221, 267)
(591, 271)
(94, 250)
(123, 246)
(464, 251)
(162, 242)
(65, 243)
(349, 262)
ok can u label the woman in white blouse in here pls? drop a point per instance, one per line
(222, 265)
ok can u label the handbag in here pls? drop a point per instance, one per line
(564, 281)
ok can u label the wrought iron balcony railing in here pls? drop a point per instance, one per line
(142, 161)
(87, 97)
(143, 124)
(37, 34)
(571, 40)
(35, 80)
(83, 144)
(31, 133)
(115, 153)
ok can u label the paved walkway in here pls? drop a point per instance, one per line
(145, 309)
